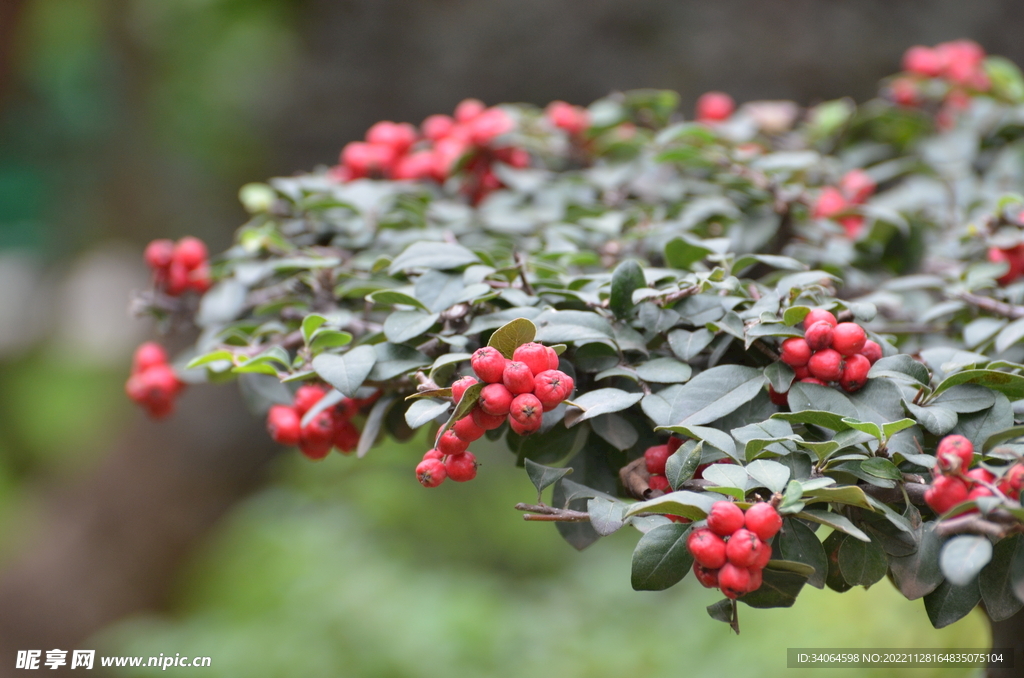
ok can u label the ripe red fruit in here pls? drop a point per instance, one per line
(489, 364)
(924, 61)
(527, 411)
(674, 444)
(433, 454)
(818, 336)
(849, 338)
(904, 92)
(734, 581)
(763, 520)
(573, 119)
(461, 467)
(945, 493)
(495, 399)
(981, 474)
(830, 204)
(714, 107)
(872, 351)
(707, 548)
(855, 373)
(955, 453)
(147, 355)
(763, 556)
(812, 380)
(655, 458)
(468, 109)
(199, 279)
(431, 472)
(307, 396)
(857, 185)
(159, 253)
(552, 387)
(708, 578)
(725, 518)
(346, 436)
(826, 365)
(156, 385)
(460, 386)
(1013, 257)
(319, 430)
(802, 372)
(450, 443)
(284, 425)
(487, 422)
(190, 252)
(468, 430)
(517, 377)
(437, 127)
(552, 358)
(819, 315)
(979, 492)
(743, 548)
(660, 483)
(756, 579)
(535, 356)
(780, 399)
(177, 278)
(398, 136)
(795, 352)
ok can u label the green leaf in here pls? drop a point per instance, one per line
(1010, 335)
(435, 255)
(868, 427)
(714, 393)
(683, 463)
(440, 291)
(729, 475)
(615, 430)
(464, 407)
(965, 398)
(601, 401)
(722, 611)
(847, 494)
(997, 579)
(664, 371)
(822, 399)
(900, 367)
(211, 357)
(835, 521)
(683, 253)
(834, 578)
(324, 339)
(686, 344)
(779, 588)
(661, 558)
(963, 556)
(937, 420)
(712, 436)
(683, 503)
(310, 324)
(779, 375)
(348, 371)
(769, 474)
(402, 326)
(862, 562)
(374, 422)
(627, 277)
(394, 297)
(424, 411)
(605, 515)
(949, 603)
(512, 335)
(1010, 385)
(978, 427)
(542, 476)
(394, 360)
(799, 543)
(221, 304)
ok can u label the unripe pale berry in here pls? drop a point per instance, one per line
(159, 253)
(450, 443)
(495, 399)
(855, 373)
(955, 452)
(848, 338)
(655, 458)
(147, 355)
(725, 518)
(763, 520)
(487, 422)
(284, 425)
(534, 356)
(818, 315)
(707, 548)
(190, 252)
(826, 365)
(708, 578)
(819, 336)
(461, 467)
(431, 472)
(734, 581)
(872, 351)
(489, 364)
(468, 430)
(552, 387)
(743, 548)
(659, 483)
(795, 352)
(460, 386)
(527, 411)
(517, 377)
(307, 396)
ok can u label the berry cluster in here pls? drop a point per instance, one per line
(398, 151)
(332, 427)
(153, 383)
(655, 458)
(830, 351)
(733, 549)
(954, 481)
(714, 107)
(958, 65)
(573, 119)
(179, 266)
(836, 202)
(519, 391)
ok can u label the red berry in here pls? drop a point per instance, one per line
(1015, 477)
(756, 578)
(674, 444)
(725, 518)
(763, 520)
(487, 422)
(527, 411)
(743, 548)
(398, 136)
(461, 467)
(468, 109)
(155, 389)
(307, 396)
(433, 454)
(655, 458)
(495, 399)
(802, 372)
(924, 61)
(812, 380)
(780, 399)
(945, 493)
(955, 453)
(826, 365)
(460, 386)
(857, 185)
(199, 279)
(431, 472)
(659, 483)
(552, 387)
(1013, 258)
(714, 107)
(552, 358)
(147, 355)
(517, 377)
(849, 338)
(872, 351)
(795, 352)
(490, 124)
(437, 127)
(979, 492)
(904, 91)
(981, 474)
(190, 252)
(819, 336)
(468, 430)
(159, 253)
(533, 355)
(830, 204)
(855, 373)
(489, 364)
(763, 556)
(708, 578)
(284, 425)
(734, 581)
(450, 443)
(818, 315)
(319, 431)
(177, 278)
(573, 119)
(707, 548)
(346, 436)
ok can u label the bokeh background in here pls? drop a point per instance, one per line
(125, 120)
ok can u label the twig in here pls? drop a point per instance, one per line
(764, 348)
(545, 513)
(672, 297)
(992, 305)
(521, 263)
(974, 524)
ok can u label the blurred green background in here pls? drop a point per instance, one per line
(125, 120)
